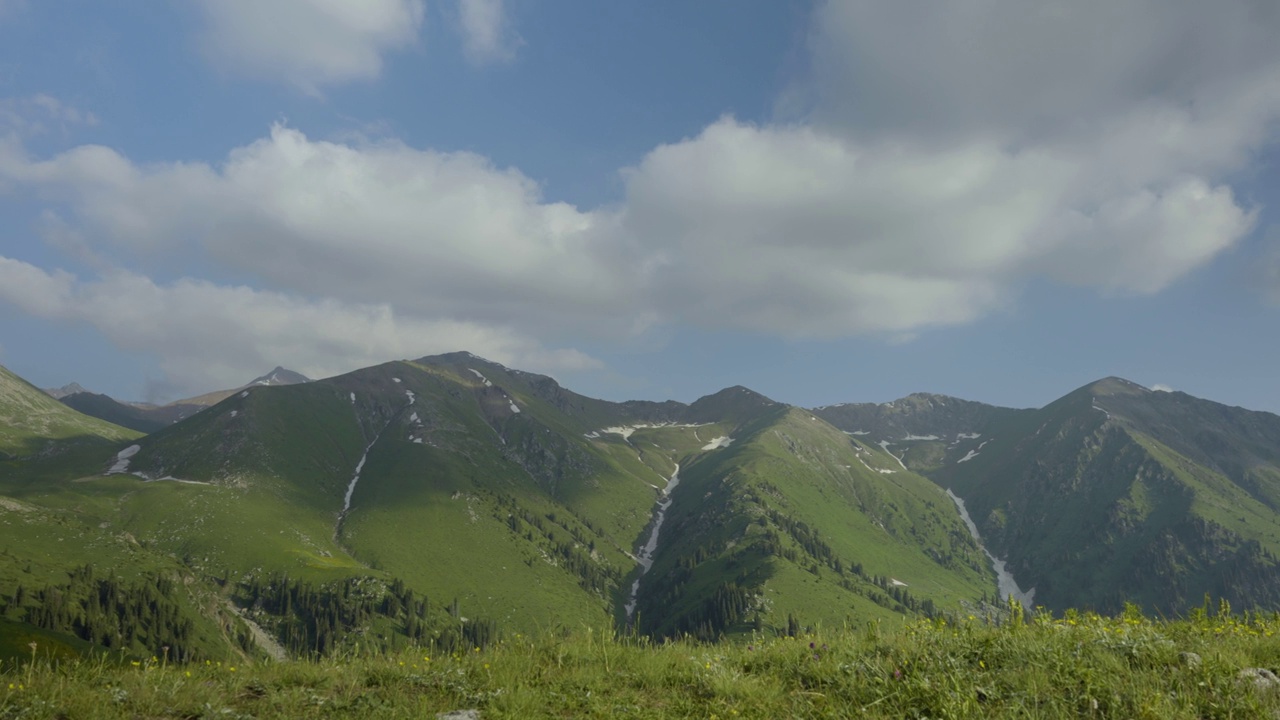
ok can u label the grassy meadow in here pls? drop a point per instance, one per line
(1072, 666)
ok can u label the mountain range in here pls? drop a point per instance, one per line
(146, 417)
(451, 500)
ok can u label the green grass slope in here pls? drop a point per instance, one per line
(487, 491)
(1092, 507)
(795, 520)
(34, 424)
(1050, 668)
(473, 487)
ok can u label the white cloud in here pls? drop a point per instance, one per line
(486, 33)
(797, 231)
(949, 162)
(309, 43)
(445, 234)
(209, 335)
(955, 153)
(1034, 72)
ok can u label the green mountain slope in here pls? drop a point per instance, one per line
(794, 521)
(103, 407)
(1116, 493)
(470, 486)
(34, 424)
(919, 414)
(925, 431)
(459, 496)
(147, 418)
(448, 499)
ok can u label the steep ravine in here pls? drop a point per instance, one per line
(355, 478)
(645, 557)
(1004, 579)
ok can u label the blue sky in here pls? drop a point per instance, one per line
(824, 201)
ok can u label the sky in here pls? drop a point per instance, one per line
(827, 202)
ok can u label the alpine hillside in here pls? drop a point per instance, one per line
(463, 499)
(1114, 493)
(146, 417)
(450, 500)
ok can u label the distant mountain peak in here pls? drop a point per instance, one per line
(460, 357)
(1116, 386)
(65, 390)
(737, 402)
(735, 392)
(280, 376)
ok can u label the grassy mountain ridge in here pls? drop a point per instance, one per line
(1093, 510)
(148, 418)
(33, 423)
(926, 430)
(449, 498)
(499, 496)
(796, 520)
(453, 467)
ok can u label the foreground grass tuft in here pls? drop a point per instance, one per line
(1077, 666)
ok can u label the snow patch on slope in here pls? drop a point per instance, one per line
(882, 471)
(720, 442)
(884, 445)
(480, 375)
(974, 453)
(625, 431)
(351, 487)
(122, 460)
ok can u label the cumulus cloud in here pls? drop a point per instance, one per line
(446, 234)
(953, 154)
(950, 158)
(798, 231)
(309, 43)
(209, 335)
(486, 33)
